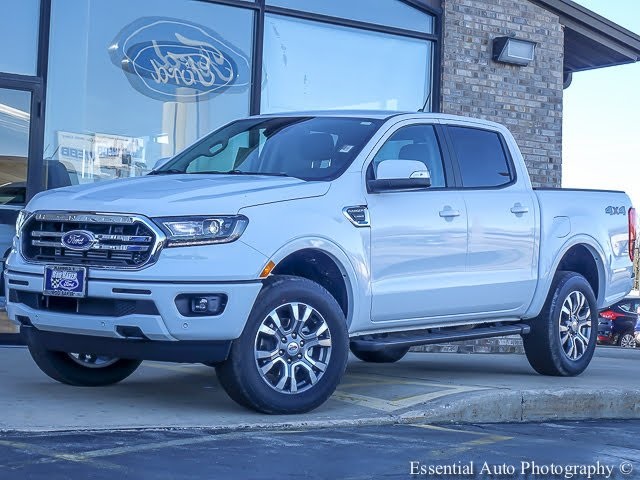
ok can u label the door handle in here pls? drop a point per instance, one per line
(519, 209)
(449, 213)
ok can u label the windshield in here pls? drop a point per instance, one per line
(309, 148)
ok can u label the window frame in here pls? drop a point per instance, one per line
(450, 176)
(456, 163)
(258, 46)
(36, 85)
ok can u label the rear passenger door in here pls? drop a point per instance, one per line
(501, 267)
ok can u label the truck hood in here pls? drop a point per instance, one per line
(175, 195)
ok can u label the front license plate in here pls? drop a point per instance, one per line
(63, 281)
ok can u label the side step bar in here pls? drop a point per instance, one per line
(412, 338)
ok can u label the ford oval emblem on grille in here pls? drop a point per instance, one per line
(81, 240)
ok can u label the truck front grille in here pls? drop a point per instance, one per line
(117, 241)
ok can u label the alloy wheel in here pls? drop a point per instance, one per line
(627, 341)
(292, 348)
(575, 325)
(91, 360)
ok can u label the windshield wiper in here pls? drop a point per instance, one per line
(171, 171)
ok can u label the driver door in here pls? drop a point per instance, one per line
(418, 237)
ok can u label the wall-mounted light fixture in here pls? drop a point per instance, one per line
(513, 50)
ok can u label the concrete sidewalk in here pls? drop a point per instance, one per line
(423, 387)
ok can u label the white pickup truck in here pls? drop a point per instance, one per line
(278, 243)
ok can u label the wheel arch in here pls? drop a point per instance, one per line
(325, 263)
(580, 254)
(583, 259)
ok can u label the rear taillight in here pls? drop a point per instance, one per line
(633, 233)
(610, 315)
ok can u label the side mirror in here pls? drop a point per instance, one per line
(400, 175)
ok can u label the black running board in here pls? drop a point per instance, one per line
(374, 343)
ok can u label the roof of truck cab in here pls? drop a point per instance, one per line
(378, 115)
(373, 114)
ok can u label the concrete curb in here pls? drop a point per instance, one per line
(507, 406)
(488, 406)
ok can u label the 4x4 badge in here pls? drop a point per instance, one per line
(616, 210)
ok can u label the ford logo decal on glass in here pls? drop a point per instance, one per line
(173, 60)
(80, 240)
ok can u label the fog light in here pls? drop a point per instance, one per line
(204, 304)
(194, 305)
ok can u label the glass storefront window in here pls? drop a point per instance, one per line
(392, 13)
(15, 117)
(19, 36)
(312, 65)
(132, 83)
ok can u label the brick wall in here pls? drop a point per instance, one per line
(528, 100)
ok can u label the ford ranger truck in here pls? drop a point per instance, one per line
(278, 243)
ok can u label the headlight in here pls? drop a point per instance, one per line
(184, 231)
(20, 221)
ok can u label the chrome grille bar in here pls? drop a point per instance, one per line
(84, 218)
(117, 248)
(99, 236)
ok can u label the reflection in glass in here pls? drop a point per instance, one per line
(15, 115)
(19, 24)
(392, 13)
(132, 83)
(311, 65)
(308, 148)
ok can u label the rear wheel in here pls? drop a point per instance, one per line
(627, 340)
(389, 355)
(293, 350)
(82, 369)
(563, 337)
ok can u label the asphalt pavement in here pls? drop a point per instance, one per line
(423, 387)
(598, 450)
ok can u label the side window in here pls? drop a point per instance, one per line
(416, 142)
(627, 306)
(631, 306)
(481, 156)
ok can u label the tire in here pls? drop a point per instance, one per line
(388, 355)
(626, 340)
(547, 353)
(257, 372)
(63, 368)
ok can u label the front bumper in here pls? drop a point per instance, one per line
(167, 325)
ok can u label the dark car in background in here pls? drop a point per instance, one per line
(619, 324)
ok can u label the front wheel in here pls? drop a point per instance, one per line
(293, 350)
(82, 369)
(563, 337)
